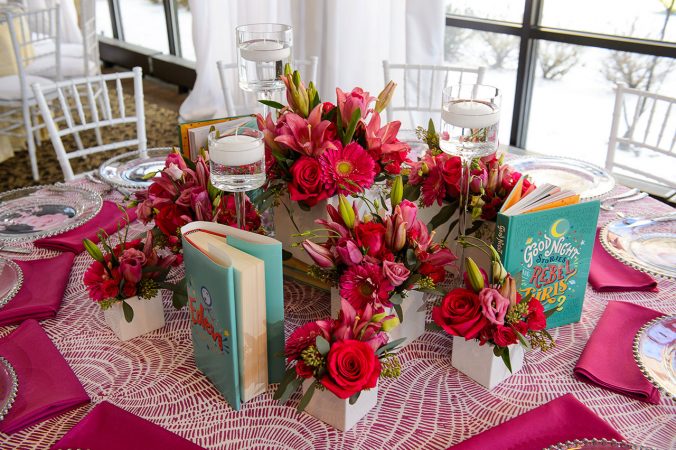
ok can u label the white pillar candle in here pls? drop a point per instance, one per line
(237, 150)
(471, 114)
(264, 51)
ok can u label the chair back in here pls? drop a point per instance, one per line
(224, 70)
(419, 88)
(90, 38)
(642, 140)
(307, 68)
(77, 95)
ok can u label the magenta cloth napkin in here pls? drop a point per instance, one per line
(47, 385)
(44, 281)
(108, 427)
(608, 274)
(560, 420)
(71, 241)
(608, 360)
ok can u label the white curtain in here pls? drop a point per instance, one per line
(350, 37)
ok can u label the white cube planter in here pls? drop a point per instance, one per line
(413, 325)
(480, 364)
(148, 316)
(338, 412)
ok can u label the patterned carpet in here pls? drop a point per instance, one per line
(15, 172)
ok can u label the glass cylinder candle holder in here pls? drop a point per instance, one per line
(263, 49)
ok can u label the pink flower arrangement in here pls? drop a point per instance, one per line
(435, 178)
(494, 313)
(183, 193)
(130, 268)
(375, 259)
(316, 150)
(345, 355)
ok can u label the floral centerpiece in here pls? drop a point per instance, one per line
(182, 193)
(492, 314)
(315, 149)
(377, 258)
(435, 179)
(343, 358)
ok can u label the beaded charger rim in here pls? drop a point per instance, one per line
(591, 443)
(637, 355)
(17, 286)
(13, 389)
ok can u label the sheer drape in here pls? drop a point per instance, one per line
(351, 38)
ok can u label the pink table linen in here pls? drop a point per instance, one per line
(607, 359)
(560, 420)
(108, 427)
(430, 406)
(608, 274)
(109, 218)
(40, 296)
(47, 385)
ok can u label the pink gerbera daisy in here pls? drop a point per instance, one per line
(305, 336)
(363, 284)
(347, 170)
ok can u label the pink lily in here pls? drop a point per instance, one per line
(319, 254)
(309, 136)
(349, 103)
(383, 140)
(349, 252)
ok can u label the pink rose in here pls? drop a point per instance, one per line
(131, 264)
(493, 306)
(395, 272)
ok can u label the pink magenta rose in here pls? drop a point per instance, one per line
(395, 272)
(493, 306)
(460, 314)
(504, 336)
(351, 367)
(306, 184)
(370, 236)
(131, 264)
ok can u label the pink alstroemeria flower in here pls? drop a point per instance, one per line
(311, 136)
(349, 103)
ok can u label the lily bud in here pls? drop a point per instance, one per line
(397, 193)
(390, 324)
(312, 95)
(385, 96)
(287, 69)
(499, 272)
(424, 169)
(319, 254)
(399, 236)
(508, 290)
(93, 250)
(346, 211)
(474, 275)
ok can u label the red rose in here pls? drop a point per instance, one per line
(171, 218)
(436, 273)
(303, 370)
(370, 235)
(351, 367)
(129, 289)
(452, 171)
(504, 336)
(306, 184)
(536, 315)
(521, 327)
(460, 314)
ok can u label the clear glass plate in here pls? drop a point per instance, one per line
(581, 177)
(40, 211)
(9, 385)
(655, 353)
(596, 444)
(11, 279)
(646, 245)
(129, 170)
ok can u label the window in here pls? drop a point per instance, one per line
(185, 28)
(104, 26)
(144, 23)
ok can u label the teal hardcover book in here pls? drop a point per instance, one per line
(550, 251)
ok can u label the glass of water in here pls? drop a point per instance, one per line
(237, 163)
(263, 49)
(470, 116)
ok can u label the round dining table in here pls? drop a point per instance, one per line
(430, 406)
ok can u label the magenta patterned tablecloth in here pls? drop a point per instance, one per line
(430, 406)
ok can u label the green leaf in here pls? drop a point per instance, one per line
(411, 192)
(506, 360)
(288, 386)
(400, 312)
(396, 299)
(356, 115)
(307, 396)
(322, 345)
(93, 250)
(179, 298)
(389, 346)
(411, 261)
(304, 206)
(286, 255)
(128, 311)
(497, 351)
(431, 326)
(475, 227)
(550, 312)
(522, 339)
(354, 398)
(442, 216)
(271, 104)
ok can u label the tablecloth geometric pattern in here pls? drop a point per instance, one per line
(430, 406)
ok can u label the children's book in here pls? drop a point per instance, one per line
(545, 240)
(193, 135)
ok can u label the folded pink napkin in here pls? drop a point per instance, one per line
(71, 241)
(44, 281)
(608, 274)
(108, 427)
(560, 420)
(608, 361)
(47, 385)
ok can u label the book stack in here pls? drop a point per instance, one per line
(545, 240)
(236, 302)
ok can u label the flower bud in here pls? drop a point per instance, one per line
(474, 275)
(385, 96)
(390, 324)
(319, 254)
(93, 250)
(346, 211)
(499, 272)
(508, 290)
(397, 192)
